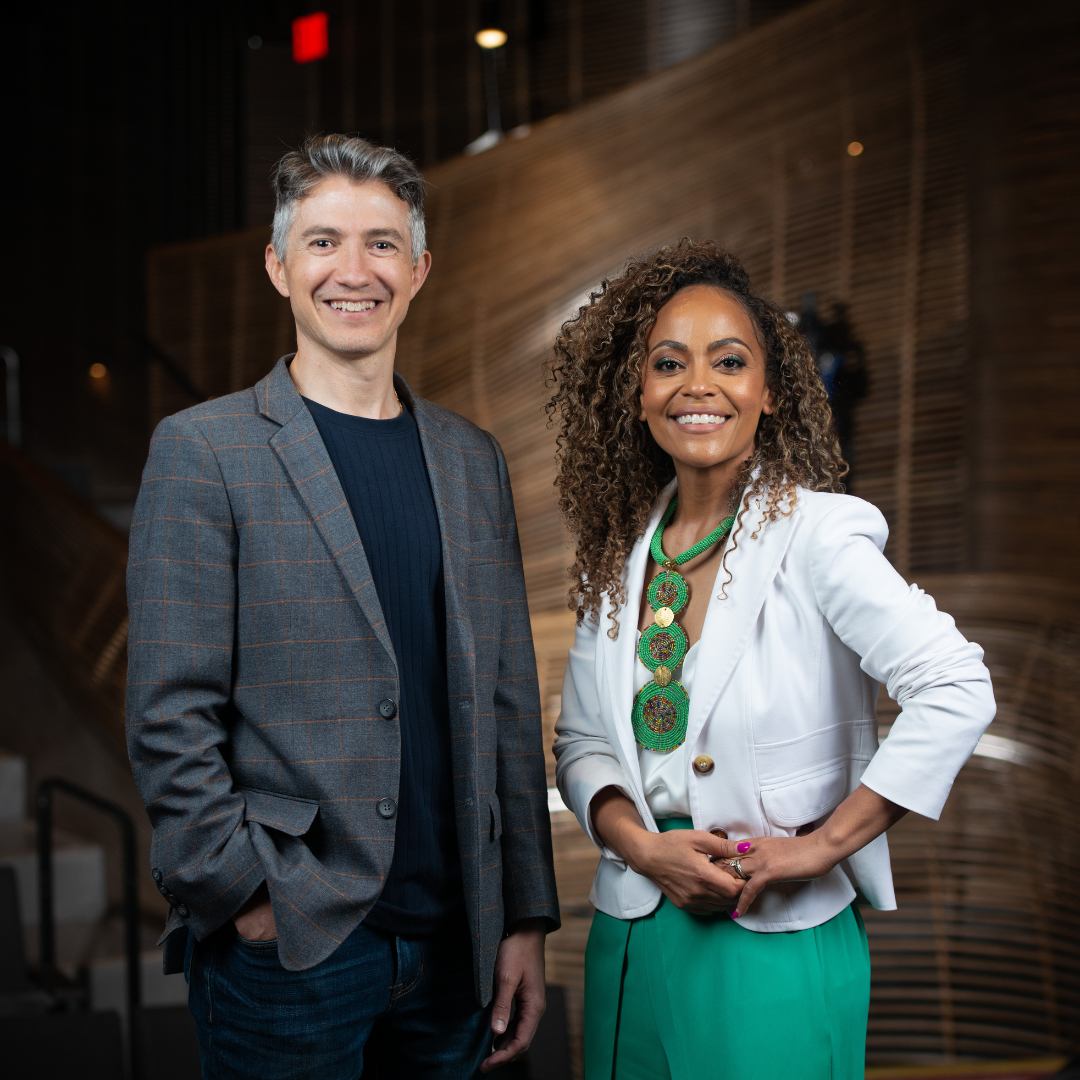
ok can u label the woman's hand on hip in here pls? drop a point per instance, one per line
(860, 818)
(780, 858)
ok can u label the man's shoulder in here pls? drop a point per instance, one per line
(454, 428)
(204, 418)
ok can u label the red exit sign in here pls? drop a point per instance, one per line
(310, 39)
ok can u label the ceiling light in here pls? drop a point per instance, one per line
(491, 38)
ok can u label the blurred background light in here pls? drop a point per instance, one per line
(310, 37)
(491, 38)
(98, 371)
(855, 148)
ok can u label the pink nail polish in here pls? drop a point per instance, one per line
(743, 847)
(734, 914)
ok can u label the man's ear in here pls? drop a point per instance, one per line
(420, 273)
(275, 269)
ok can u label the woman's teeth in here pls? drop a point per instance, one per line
(352, 305)
(700, 418)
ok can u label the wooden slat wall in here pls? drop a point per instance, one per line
(745, 144)
(982, 959)
(1025, 325)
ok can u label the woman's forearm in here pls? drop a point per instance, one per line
(863, 816)
(616, 821)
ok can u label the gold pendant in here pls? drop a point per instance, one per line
(662, 675)
(664, 617)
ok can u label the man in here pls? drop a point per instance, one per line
(333, 715)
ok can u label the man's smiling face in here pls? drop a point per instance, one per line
(348, 269)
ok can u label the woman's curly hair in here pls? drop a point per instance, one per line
(610, 469)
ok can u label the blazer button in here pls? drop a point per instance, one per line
(163, 890)
(387, 808)
(388, 708)
(182, 911)
(703, 764)
(157, 875)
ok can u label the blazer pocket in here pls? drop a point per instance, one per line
(802, 801)
(781, 762)
(496, 818)
(284, 813)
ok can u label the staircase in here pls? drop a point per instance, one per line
(80, 895)
(78, 1023)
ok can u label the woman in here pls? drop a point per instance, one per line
(718, 739)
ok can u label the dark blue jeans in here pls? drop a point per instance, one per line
(380, 1007)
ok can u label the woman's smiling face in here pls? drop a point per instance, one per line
(703, 386)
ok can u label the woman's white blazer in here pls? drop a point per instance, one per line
(783, 700)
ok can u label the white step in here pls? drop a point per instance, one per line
(12, 788)
(108, 984)
(79, 892)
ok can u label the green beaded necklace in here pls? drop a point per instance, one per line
(662, 706)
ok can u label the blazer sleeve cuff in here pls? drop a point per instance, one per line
(912, 793)
(205, 896)
(579, 786)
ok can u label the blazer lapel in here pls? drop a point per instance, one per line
(445, 462)
(302, 452)
(620, 655)
(729, 622)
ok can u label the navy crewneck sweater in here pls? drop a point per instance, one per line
(380, 465)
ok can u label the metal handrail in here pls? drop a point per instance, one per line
(131, 893)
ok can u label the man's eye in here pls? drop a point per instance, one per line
(383, 245)
(322, 243)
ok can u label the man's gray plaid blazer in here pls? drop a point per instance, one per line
(258, 656)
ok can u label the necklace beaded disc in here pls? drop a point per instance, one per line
(660, 716)
(665, 645)
(662, 706)
(668, 590)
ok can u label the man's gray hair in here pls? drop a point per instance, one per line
(300, 171)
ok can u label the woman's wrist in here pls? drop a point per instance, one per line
(634, 845)
(618, 826)
(827, 848)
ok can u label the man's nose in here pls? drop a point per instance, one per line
(354, 268)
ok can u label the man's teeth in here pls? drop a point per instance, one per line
(700, 418)
(352, 305)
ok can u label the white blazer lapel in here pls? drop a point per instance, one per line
(620, 655)
(730, 621)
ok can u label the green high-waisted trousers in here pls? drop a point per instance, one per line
(674, 996)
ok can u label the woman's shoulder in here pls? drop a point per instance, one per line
(826, 514)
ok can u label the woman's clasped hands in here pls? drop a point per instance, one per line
(704, 874)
